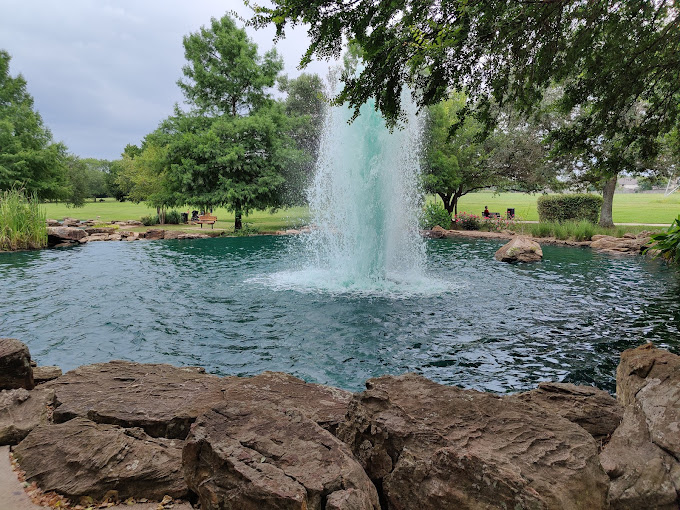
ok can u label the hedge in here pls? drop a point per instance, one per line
(575, 206)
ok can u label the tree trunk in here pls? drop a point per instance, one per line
(237, 219)
(606, 218)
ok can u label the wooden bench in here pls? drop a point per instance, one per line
(207, 218)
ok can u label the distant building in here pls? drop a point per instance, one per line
(627, 185)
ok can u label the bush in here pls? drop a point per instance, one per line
(469, 221)
(23, 222)
(667, 244)
(147, 221)
(433, 215)
(575, 206)
(173, 217)
(497, 224)
(584, 231)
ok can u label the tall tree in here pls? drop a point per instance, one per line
(233, 148)
(29, 158)
(611, 57)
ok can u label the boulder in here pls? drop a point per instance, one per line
(44, 374)
(642, 456)
(21, 411)
(437, 232)
(15, 365)
(593, 409)
(56, 235)
(520, 249)
(161, 399)
(154, 234)
(431, 447)
(81, 458)
(629, 244)
(70, 222)
(100, 230)
(248, 457)
(53, 223)
(165, 400)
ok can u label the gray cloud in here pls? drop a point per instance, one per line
(103, 74)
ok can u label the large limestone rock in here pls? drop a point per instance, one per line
(161, 399)
(44, 374)
(56, 235)
(431, 447)
(165, 400)
(81, 458)
(593, 409)
(21, 411)
(642, 456)
(15, 365)
(520, 249)
(249, 457)
(630, 244)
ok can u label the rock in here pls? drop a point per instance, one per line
(642, 456)
(627, 245)
(165, 400)
(324, 405)
(100, 230)
(81, 458)
(161, 399)
(56, 235)
(15, 365)
(21, 411)
(245, 456)
(436, 232)
(70, 222)
(44, 374)
(154, 234)
(431, 447)
(593, 409)
(520, 249)
(53, 223)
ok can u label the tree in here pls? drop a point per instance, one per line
(225, 74)
(232, 149)
(29, 159)
(611, 58)
(512, 157)
(305, 105)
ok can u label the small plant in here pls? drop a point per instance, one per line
(22, 221)
(667, 244)
(498, 224)
(147, 221)
(435, 214)
(173, 217)
(584, 231)
(469, 221)
(246, 230)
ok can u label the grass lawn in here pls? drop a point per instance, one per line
(644, 208)
(110, 210)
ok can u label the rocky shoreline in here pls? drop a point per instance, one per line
(117, 430)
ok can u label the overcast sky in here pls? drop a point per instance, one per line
(103, 73)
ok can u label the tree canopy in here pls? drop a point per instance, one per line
(29, 159)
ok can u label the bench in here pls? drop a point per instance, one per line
(207, 218)
(493, 215)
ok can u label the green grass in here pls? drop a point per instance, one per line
(645, 208)
(110, 210)
(22, 222)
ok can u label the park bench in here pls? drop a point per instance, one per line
(207, 218)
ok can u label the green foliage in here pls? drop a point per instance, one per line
(574, 206)
(667, 244)
(578, 231)
(468, 221)
(224, 73)
(22, 222)
(246, 230)
(173, 217)
(497, 224)
(435, 214)
(29, 159)
(147, 221)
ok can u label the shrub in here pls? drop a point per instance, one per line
(469, 221)
(575, 206)
(584, 231)
(150, 220)
(173, 217)
(23, 222)
(498, 224)
(433, 215)
(667, 244)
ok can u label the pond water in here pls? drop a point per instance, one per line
(233, 306)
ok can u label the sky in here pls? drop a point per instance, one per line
(103, 73)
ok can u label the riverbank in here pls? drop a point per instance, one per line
(273, 440)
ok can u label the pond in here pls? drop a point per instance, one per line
(219, 303)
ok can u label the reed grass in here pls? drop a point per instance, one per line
(22, 222)
(577, 231)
